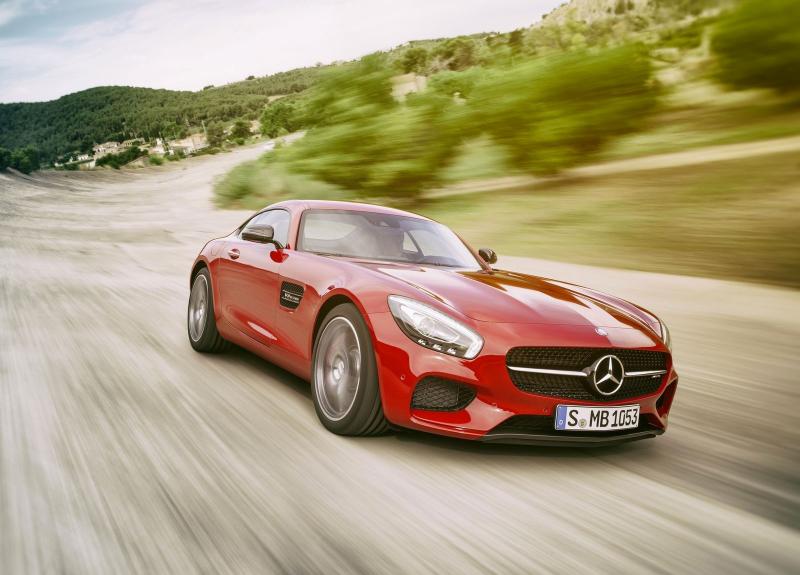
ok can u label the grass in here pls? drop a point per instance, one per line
(699, 114)
(478, 159)
(726, 219)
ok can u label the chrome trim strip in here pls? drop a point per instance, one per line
(583, 373)
(551, 371)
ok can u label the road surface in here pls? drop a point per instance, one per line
(124, 451)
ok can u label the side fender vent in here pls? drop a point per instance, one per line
(291, 295)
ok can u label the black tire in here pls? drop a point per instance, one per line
(365, 415)
(204, 338)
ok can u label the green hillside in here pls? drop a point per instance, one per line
(76, 121)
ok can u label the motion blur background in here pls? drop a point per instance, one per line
(492, 143)
(650, 148)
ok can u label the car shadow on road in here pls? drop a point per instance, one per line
(270, 371)
(408, 438)
(464, 446)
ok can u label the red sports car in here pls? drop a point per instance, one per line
(396, 322)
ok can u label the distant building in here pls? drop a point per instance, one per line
(188, 145)
(105, 148)
(159, 149)
(406, 84)
(130, 144)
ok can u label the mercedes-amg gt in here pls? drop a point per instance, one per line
(397, 322)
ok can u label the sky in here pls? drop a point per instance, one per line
(49, 48)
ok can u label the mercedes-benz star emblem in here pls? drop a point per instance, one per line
(607, 375)
(600, 331)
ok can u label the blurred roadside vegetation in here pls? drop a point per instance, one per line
(733, 219)
(639, 79)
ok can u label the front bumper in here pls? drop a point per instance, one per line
(541, 431)
(599, 440)
(498, 404)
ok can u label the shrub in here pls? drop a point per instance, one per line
(546, 114)
(279, 115)
(116, 161)
(25, 160)
(240, 130)
(415, 59)
(551, 113)
(758, 45)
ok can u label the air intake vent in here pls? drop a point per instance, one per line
(437, 394)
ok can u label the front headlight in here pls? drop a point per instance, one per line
(665, 337)
(433, 329)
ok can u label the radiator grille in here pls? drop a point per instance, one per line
(577, 359)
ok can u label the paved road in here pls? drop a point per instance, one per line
(122, 450)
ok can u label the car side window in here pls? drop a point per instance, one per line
(278, 219)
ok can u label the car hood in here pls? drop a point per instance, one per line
(508, 297)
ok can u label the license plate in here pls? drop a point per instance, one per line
(591, 418)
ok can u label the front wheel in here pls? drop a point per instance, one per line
(201, 324)
(344, 375)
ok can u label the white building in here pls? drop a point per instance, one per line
(105, 148)
(189, 145)
(407, 84)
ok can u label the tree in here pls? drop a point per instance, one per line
(551, 113)
(415, 60)
(516, 41)
(5, 159)
(26, 160)
(240, 130)
(459, 53)
(278, 116)
(367, 142)
(359, 90)
(215, 134)
(758, 45)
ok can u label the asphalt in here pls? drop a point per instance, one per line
(124, 451)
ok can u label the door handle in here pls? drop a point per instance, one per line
(234, 254)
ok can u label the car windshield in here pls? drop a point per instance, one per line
(385, 237)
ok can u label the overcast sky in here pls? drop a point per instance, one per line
(49, 48)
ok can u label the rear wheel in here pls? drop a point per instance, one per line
(344, 375)
(201, 324)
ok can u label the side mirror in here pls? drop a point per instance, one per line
(260, 234)
(488, 255)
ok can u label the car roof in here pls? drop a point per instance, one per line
(301, 205)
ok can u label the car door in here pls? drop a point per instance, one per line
(248, 279)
